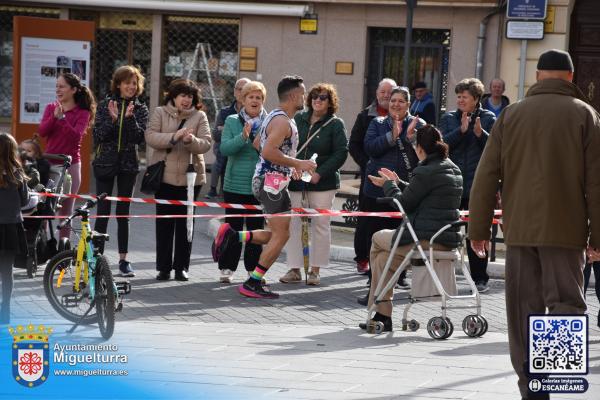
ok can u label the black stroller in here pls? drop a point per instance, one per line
(39, 232)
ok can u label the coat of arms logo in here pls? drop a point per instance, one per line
(30, 355)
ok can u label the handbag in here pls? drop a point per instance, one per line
(106, 165)
(153, 176)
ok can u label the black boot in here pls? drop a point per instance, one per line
(387, 322)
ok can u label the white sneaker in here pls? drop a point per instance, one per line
(226, 276)
(313, 279)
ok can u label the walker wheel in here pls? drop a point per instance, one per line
(472, 326)
(485, 325)
(451, 325)
(375, 327)
(440, 328)
(475, 325)
(413, 325)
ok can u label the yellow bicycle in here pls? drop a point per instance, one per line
(78, 282)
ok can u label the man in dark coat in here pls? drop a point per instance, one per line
(545, 150)
(379, 107)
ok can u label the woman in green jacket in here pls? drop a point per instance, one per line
(320, 132)
(236, 144)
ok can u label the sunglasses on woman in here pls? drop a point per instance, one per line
(321, 97)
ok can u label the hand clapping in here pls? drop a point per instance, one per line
(113, 110)
(58, 110)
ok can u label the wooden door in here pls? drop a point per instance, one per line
(585, 48)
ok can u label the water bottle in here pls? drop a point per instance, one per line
(306, 175)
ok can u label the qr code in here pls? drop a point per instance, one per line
(558, 344)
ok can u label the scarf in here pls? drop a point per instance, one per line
(255, 122)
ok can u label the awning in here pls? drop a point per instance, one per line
(212, 7)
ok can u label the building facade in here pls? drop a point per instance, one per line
(356, 43)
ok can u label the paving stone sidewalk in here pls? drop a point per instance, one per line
(306, 345)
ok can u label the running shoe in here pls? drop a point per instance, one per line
(256, 290)
(225, 236)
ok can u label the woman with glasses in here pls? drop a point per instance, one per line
(322, 133)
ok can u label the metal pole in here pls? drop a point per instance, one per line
(522, 66)
(410, 4)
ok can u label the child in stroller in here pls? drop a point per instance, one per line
(41, 243)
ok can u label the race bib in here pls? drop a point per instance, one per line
(275, 182)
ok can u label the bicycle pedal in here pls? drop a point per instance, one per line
(71, 300)
(123, 287)
(119, 307)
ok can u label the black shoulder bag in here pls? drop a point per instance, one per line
(153, 176)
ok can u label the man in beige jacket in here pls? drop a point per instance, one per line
(545, 151)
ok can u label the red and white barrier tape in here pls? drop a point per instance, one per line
(301, 212)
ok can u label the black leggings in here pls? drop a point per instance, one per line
(125, 185)
(6, 277)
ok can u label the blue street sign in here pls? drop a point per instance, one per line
(526, 9)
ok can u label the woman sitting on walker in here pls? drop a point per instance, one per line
(431, 201)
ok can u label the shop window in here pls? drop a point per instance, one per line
(6, 50)
(204, 50)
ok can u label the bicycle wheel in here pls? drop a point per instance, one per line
(59, 283)
(105, 298)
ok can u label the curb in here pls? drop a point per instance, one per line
(343, 253)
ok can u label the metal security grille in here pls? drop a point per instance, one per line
(6, 50)
(204, 50)
(428, 60)
(121, 39)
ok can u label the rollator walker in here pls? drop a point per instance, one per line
(474, 325)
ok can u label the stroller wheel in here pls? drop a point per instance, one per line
(375, 327)
(440, 328)
(413, 325)
(31, 267)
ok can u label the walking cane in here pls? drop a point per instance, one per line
(305, 245)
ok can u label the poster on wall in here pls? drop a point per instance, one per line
(42, 61)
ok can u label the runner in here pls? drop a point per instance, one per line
(276, 164)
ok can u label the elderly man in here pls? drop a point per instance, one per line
(495, 101)
(379, 107)
(218, 167)
(423, 105)
(545, 150)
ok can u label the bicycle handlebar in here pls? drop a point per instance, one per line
(57, 157)
(88, 205)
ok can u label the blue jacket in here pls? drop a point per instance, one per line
(424, 109)
(466, 149)
(384, 152)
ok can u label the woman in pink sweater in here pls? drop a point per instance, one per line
(63, 125)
